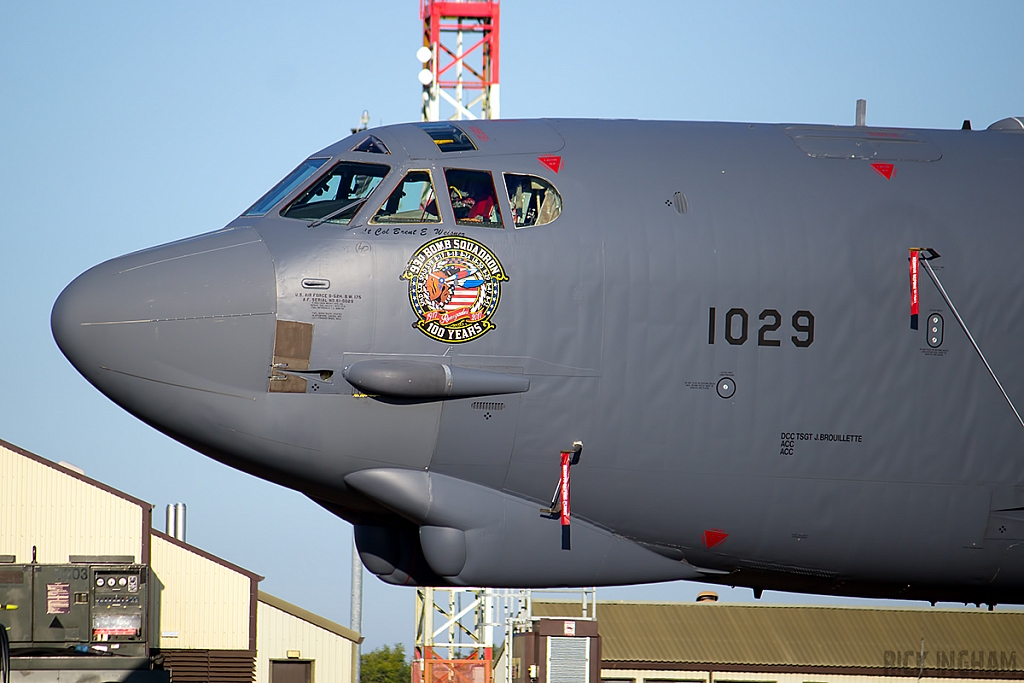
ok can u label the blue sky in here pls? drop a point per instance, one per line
(124, 125)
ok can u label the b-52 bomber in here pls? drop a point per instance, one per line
(592, 352)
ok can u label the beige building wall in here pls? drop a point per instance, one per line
(283, 627)
(199, 601)
(64, 513)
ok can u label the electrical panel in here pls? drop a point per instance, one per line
(94, 608)
(557, 650)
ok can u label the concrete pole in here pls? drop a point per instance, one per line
(862, 112)
(356, 616)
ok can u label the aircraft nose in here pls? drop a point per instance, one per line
(195, 314)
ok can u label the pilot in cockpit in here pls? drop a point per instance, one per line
(473, 197)
(472, 202)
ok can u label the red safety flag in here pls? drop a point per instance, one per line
(564, 495)
(913, 288)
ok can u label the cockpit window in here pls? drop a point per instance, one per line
(372, 145)
(291, 181)
(474, 200)
(413, 201)
(534, 201)
(338, 194)
(447, 136)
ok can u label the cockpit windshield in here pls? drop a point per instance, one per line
(291, 181)
(447, 136)
(533, 200)
(339, 194)
(372, 145)
(412, 201)
(474, 200)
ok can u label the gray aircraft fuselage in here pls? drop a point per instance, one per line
(720, 313)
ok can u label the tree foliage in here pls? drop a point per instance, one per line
(385, 665)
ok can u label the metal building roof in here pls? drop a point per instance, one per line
(310, 617)
(65, 514)
(788, 636)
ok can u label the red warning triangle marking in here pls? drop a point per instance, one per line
(713, 537)
(554, 163)
(884, 170)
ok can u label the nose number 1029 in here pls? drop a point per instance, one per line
(737, 326)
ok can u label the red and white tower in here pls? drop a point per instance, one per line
(460, 59)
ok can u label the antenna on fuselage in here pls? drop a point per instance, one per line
(364, 122)
(862, 113)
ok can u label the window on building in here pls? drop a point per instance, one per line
(291, 671)
(474, 200)
(534, 201)
(413, 201)
(339, 194)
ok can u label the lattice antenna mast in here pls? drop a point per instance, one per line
(457, 629)
(455, 635)
(460, 57)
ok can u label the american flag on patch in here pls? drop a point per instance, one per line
(466, 289)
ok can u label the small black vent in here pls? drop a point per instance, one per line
(12, 577)
(787, 569)
(484, 405)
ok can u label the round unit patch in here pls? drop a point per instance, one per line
(454, 288)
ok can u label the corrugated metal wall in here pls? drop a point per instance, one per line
(971, 640)
(62, 515)
(648, 676)
(206, 604)
(277, 632)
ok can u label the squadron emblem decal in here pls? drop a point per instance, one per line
(454, 288)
